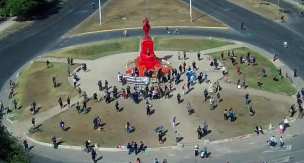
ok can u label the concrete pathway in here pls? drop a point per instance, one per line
(4, 25)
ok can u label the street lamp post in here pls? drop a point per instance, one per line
(148, 12)
(190, 10)
(99, 12)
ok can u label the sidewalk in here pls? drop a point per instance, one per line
(9, 22)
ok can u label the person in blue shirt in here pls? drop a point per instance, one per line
(15, 104)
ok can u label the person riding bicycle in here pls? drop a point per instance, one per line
(87, 146)
(302, 14)
(243, 26)
(176, 31)
(285, 44)
(167, 29)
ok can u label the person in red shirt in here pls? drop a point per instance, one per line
(238, 69)
(184, 65)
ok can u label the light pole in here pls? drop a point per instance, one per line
(99, 12)
(190, 10)
(148, 9)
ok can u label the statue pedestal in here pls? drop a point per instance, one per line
(147, 62)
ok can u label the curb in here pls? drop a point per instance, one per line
(247, 135)
(120, 29)
(99, 149)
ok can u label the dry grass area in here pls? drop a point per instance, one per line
(14, 28)
(260, 7)
(35, 83)
(251, 73)
(187, 44)
(98, 50)
(118, 14)
(80, 126)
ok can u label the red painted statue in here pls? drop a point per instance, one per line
(146, 28)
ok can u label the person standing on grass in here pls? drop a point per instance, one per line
(69, 101)
(60, 102)
(238, 70)
(47, 64)
(95, 122)
(34, 106)
(33, 122)
(74, 82)
(62, 125)
(15, 104)
(54, 81)
(247, 99)
(26, 148)
(259, 82)
(69, 71)
(244, 83)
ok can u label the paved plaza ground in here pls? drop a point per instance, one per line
(269, 107)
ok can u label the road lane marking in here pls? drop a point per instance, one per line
(300, 161)
(286, 159)
(2, 71)
(279, 149)
(277, 160)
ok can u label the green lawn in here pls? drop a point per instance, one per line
(187, 44)
(251, 73)
(95, 51)
(35, 83)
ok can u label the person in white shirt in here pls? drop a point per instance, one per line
(224, 70)
(281, 142)
(285, 44)
(177, 136)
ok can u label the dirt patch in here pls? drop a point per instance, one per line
(261, 7)
(118, 14)
(14, 28)
(187, 44)
(99, 50)
(251, 73)
(113, 133)
(35, 83)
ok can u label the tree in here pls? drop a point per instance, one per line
(11, 151)
(19, 7)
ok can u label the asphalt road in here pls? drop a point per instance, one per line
(18, 49)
